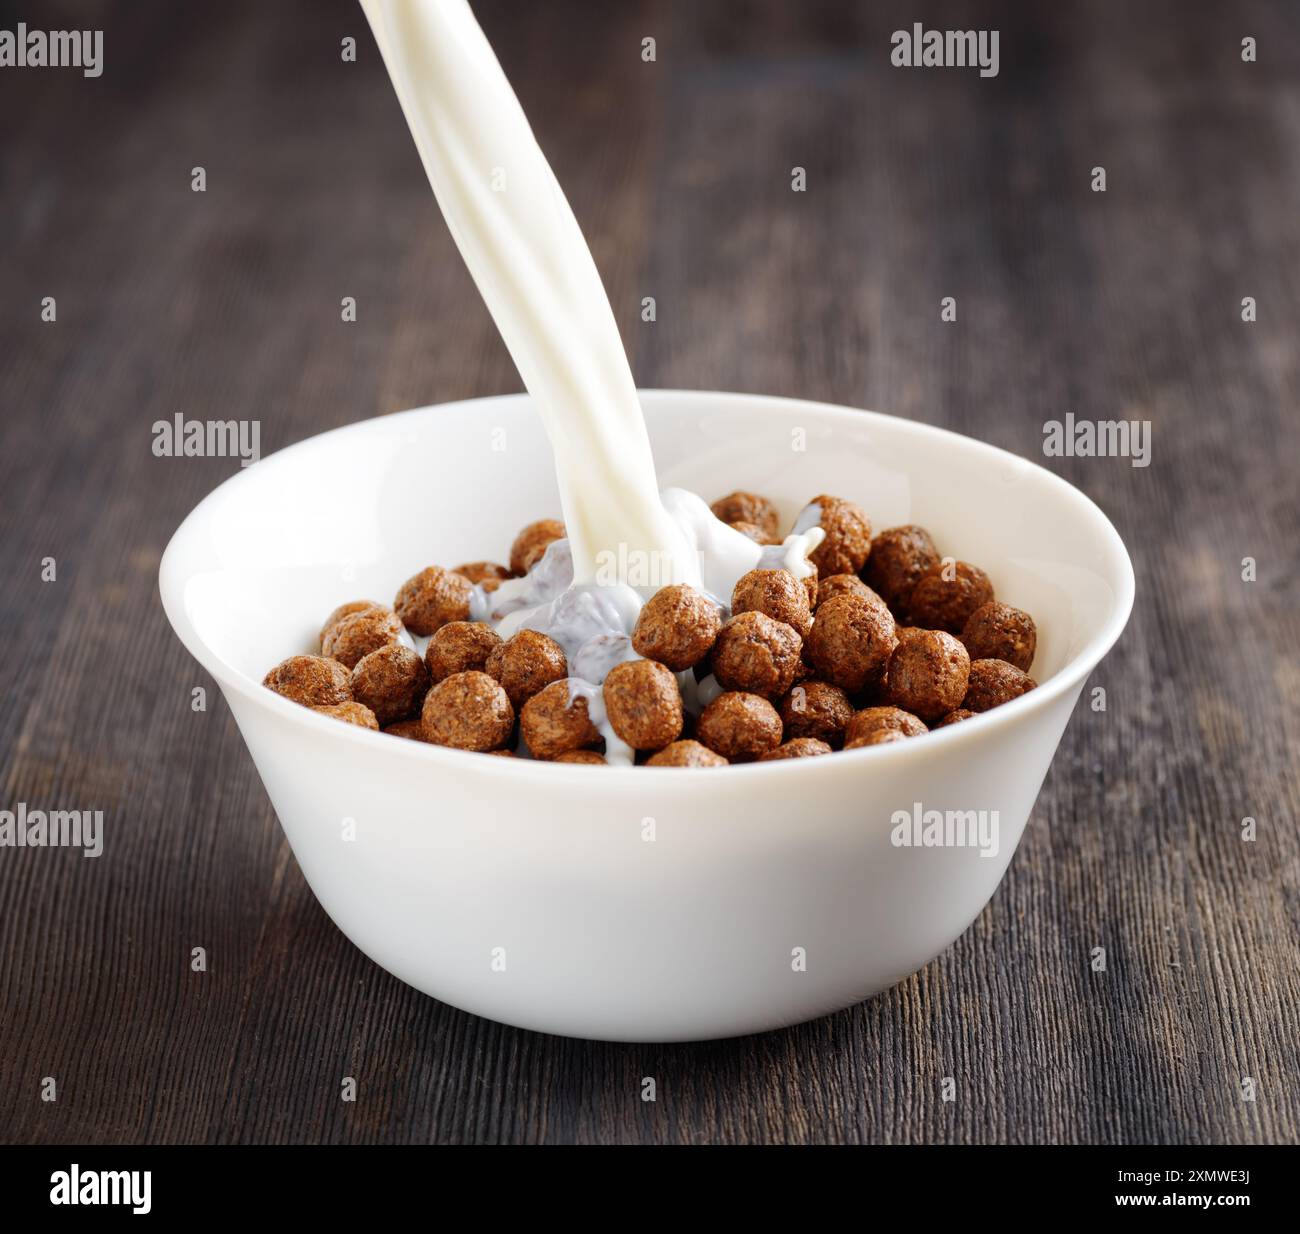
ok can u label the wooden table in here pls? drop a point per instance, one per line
(921, 184)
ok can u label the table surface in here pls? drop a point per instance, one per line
(920, 184)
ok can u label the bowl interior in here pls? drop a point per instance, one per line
(351, 514)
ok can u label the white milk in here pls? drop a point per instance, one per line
(526, 253)
(523, 246)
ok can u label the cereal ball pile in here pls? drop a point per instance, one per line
(360, 633)
(458, 647)
(412, 729)
(644, 704)
(686, 754)
(994, 682)
(526, 663)
(739, 726)
(488, 573)
(816, 709)
(876, 737)
(900, 558)
(351, 713)
(848, 536)
(557, 721)
(944, 598)
(677, 626)
(468, 711)
(800, 747)
(954, 717)
(927, 673)
(432, 598)
(996, 631)
(883, 641)
(313, 681)
(391, 681)
(851, 640)
(345, 610)
(776, 593)
(748, 508)
(873, 725)
(531, 544)
(756, 654)
(836, 584)
(753, 532)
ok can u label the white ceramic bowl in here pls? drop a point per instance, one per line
(541, 895)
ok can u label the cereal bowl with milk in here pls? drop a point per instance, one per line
(619, 902)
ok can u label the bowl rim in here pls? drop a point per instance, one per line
(172, 579)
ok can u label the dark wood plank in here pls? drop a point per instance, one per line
(920, 185)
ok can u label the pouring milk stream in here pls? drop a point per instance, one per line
(527, 256)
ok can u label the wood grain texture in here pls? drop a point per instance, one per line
(921, 184)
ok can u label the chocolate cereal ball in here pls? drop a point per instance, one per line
(412, 729)
(800, 747)
(739, 726)
(838, 584)
(686, 754)
(742, 507)
(468, 711)
(815, 709)
(876, 737)
(345, 610)
(351, 713)
(947, 595)
(757, 654)
(391, 681)
(676, 626)
(487, 573)
(459, 647)
(531, 544)
(848, 536)
(526, 663)
(358, 634)
(994, 682)
(643, 704)
(851, 640)
(996, 631)
(581, 756)
(313, 681)
(432, 598)
(900, 557)
(557, 721)
(872, 720)
(927, 673)
(778, 594)
(955, 717)
(754, 532)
